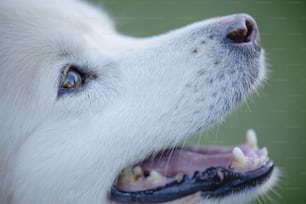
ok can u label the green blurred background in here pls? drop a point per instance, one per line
(278, 112)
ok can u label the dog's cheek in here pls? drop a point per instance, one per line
(60, 164)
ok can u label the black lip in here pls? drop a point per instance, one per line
(215, 182)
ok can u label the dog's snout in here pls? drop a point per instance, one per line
(242, 28)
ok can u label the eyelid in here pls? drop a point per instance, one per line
(75, 68)
(86, 74)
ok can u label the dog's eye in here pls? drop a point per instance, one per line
(74, 78)
(71, 78)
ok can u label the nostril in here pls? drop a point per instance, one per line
(245, 32)
(238, 35)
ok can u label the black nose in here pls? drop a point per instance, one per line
(243, 29)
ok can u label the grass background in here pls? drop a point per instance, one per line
(278, 114)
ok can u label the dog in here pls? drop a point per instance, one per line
(89, 115)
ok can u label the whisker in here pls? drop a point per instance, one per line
(152, 158)
(169, 158)
(259, 200)
(181, 148)
(265, 198)
(276, 193)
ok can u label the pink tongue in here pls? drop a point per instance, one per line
(188, 160)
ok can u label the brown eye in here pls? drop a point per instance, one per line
(72, 79)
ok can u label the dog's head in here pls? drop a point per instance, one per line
(80, 104)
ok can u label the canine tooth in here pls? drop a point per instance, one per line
(155, 177)
(239, 158)
(251, 138)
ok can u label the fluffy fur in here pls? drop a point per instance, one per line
(149, 94)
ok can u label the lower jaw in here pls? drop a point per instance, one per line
(247, 167)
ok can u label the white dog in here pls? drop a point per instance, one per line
(89, 116)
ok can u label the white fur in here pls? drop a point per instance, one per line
(150, 93)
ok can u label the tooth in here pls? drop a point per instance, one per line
(240, 159)
(262, 160)
(126, 177)
(138, 172)
(264, 155)
(255, 162)
(179, 177)
(264, 151)
(155, 177)
(251, 138)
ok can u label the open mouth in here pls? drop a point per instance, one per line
(175, 173)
